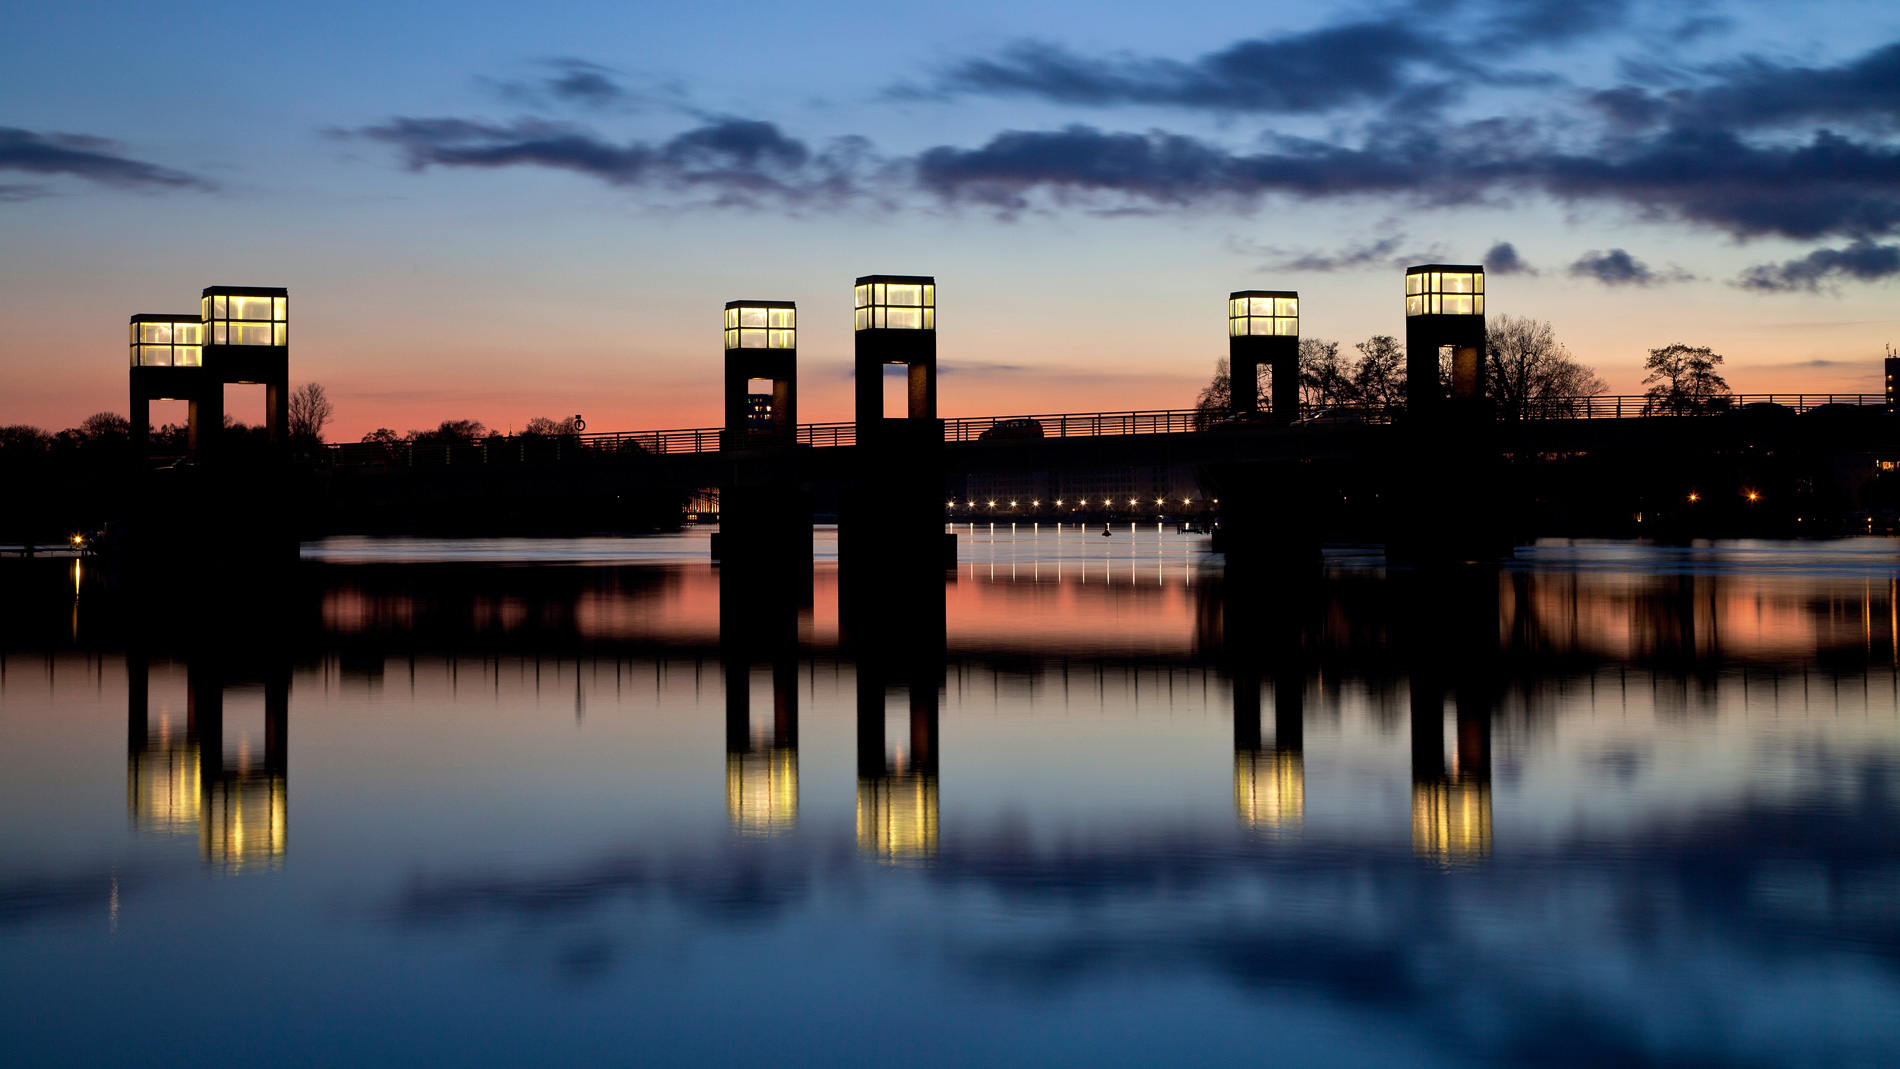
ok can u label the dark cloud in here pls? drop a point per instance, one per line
(1528, 22)
(570, 82)
(1831, 185)
(1502, 259)
(1308, 72)
(1410, 63)
(585, 83)
(93, 158)
(1862, 261)
(740, 161)
(1378, 253)
(1756, 93)
(1619, 268)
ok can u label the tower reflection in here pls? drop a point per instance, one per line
(1456, 616)
(758, 622)
(1262, 624)
(762, 770)
(177, 781)
(1270, 780)
(897, 788)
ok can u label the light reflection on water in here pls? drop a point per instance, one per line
(1612, 803)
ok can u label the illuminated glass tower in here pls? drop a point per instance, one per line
(168, 365)
(1263, 327)
(761, 346)
(247, 340)
(1444, 306)
(894, 321)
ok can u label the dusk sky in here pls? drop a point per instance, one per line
(484, 211)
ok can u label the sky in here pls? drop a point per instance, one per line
(497, 212)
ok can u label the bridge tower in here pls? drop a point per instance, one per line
(892, 545)
(1263, 327)
(1893, 379)
(1267, 509)
(764, 513)
(237, 502)
(168, 365)
(1444, 306)
(1447, 508)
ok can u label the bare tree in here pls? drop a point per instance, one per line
(1682, 380)
(1217, 399)
(105, 427)
(1528, 372)
(1379, 376)
(542, 425)
(1324, 381)
(310, 410)
(452, 430)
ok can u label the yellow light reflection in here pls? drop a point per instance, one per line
(163, 781)
(1270, 789)
(897, 817)
(1451, 822)
(244, 822)
(762, 791)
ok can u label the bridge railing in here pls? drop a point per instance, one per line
(526, 448)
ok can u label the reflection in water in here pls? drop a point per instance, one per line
(1635, 806)
(179, 782)
(762, 770)
(901, 647)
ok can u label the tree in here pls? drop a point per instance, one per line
(310, 409)
(22, 440)
(1217, 399)
(1529, 372)
(383, 436)
(453, 430)
(1324, 381)
(542, 425)
(1682, 380)
(1379, 376)
(105, 427)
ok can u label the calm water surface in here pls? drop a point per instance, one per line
(507, 802)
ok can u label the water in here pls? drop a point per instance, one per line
(1611, 804)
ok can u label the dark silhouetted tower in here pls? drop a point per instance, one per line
(1263, 327)
(1444, 306)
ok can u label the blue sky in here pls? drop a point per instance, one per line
(497, 212)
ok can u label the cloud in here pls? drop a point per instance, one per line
(1502, 259)
(1862, 261)
(1613, 268)
(582, 83)
(1378, 253)
(1831, 185)
(92, 158)
(1619, 268)
(1314, 71)
(1754, 93)
(742, 162)
(1411, 63)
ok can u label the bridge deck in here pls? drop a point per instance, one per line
(517, 449)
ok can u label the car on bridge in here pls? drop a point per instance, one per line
(1006, 429)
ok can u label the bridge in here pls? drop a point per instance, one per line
(1448, 464)
(579, 447)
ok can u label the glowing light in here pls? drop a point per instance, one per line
(1754, 496)
(1695, 497)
